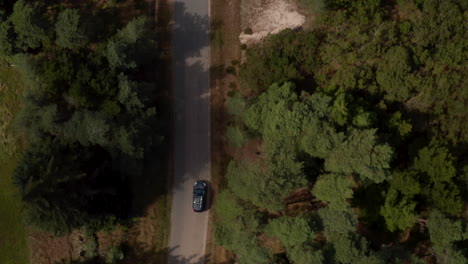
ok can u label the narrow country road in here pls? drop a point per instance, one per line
(191, 127)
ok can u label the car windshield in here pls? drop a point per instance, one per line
(198, 192)
(197, 201)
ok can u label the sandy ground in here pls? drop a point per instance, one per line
(270, 18)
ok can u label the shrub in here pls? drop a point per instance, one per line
(231, 70)
(236, 136)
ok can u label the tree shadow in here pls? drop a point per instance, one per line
(191, 95)
(140, 254)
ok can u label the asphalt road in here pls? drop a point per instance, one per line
(191, 128)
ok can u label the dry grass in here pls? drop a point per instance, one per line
(225, 19)
(11, 89)
(13, 246)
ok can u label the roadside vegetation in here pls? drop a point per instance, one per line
(88, 117)
(12, 228)
(366, 113)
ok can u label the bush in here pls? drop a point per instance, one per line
(285, 56)
(236, 105)
(231, 70)
(236, 136)
(292, 231)
(315, 6)
(69, 29)
(115, 255)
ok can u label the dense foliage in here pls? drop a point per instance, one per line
(368, 111)
(88, 111)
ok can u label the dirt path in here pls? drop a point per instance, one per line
(225, 22)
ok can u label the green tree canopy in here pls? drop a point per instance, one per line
(7, 38)
(398, 211)
(446, 197)
(407, 182)
(70, 30)
(292, 231)
(360, 153)
(30, 24)
(228, 206)
(131, 46)
(436, 161)
(263, 188)
(283, 57)
(444, 233)
(67, 187)
(393, 72)
(305, 254)
(235, 135)
(338, 223)
(335, 189)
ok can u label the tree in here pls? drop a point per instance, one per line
(353, 249)
(79, 101)
(360, 153)
(283, 57)
(339, 229)
(244, 244)
(335, 189)
(337, 223)
(400, 125)
(446, 197)
(305, 254)
(292, 231)
(276, 101)
(263, 188)
(131, 46)
(228, 206)
(236, 105)
(444, 233)
(70, 31)
(340, 108)
(276, 116)
(320, 137)
(407, 182)
(236, 136)
(30, 24)
(64, 187)
(7, 39)
(436, 161)
(398, 211)
(393, 72)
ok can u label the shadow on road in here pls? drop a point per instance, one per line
(190, 94)
(149, 256)
(148, 176)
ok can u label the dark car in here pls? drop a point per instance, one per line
(199, 196)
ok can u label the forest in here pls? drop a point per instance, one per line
(89, 115)
(365, 115)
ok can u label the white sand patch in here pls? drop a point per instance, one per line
(273, 17)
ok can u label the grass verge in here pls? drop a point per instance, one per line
(13, 243)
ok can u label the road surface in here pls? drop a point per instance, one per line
(191, 127)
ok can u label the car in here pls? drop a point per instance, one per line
(199, 196)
